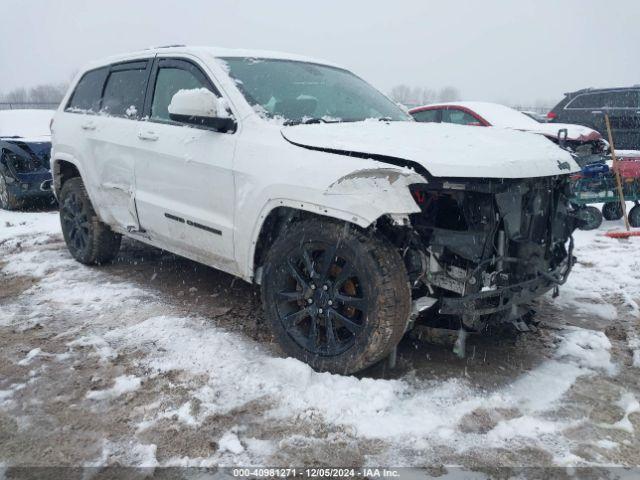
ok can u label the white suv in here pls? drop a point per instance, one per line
(298, 175)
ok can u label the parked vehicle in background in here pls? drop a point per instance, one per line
(25, 147)
(587, 107)
(586, 143)
(299, 176)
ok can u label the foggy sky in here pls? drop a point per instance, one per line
(507, 51)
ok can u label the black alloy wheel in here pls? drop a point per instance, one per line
(75, 222)
(321, 302)
(88, 239)
(337, 297)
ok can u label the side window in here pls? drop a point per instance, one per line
(587, 100)
(124, 92)
(458, 117)
(86, 96)
(426, 116)
(168, 82)
(623, 99)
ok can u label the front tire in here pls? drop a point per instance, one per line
(589, 217)
(612, 211)
(337, 298)
(88, 239)
(634, 216)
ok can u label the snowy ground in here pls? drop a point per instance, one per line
(156, 360)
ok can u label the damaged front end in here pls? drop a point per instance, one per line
(484, 248)
(26, 167)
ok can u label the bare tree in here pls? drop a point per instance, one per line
(414, 96)
(46, 94)
(449, 94)
(428, 96)
(17, 95)
(401, 94)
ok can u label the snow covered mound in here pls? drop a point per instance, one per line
(26, 124)
(141, 367)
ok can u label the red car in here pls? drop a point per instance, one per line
(583, 141)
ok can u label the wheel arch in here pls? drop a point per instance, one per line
(360, 198)
(276, 218)
(63, 168)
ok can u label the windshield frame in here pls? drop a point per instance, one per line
(267, 116)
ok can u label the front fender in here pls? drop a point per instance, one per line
(374, 192)
(360, 197)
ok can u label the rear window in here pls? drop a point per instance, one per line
(623, 99)
(452, 115)
(588, 100)
(426, 116)
(124, 93)
(86, 96)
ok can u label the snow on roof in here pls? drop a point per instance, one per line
(506, 117)
(499, 115)
(217, 52)
(25, 123)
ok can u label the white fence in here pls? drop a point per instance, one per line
(25, 105)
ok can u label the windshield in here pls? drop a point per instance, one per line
(301, 92)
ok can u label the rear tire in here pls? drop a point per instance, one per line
(590, 218)
(8, 200)
(612, 211)
(634, 216)
(337, 298)
(88, 239)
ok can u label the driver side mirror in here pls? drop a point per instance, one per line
(201, 107)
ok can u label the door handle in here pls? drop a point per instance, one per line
(148, 135)
(88, 126)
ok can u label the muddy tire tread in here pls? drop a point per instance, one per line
(393, 302)
(103, 242)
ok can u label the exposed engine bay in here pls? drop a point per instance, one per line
(484, 248)
(584, 152)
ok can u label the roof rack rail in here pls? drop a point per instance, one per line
(582, 90)
(167, 46)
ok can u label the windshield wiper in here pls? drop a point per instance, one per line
(312, 120)
(304, 121)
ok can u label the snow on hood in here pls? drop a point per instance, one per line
(574, 132)
(445, 150)
(32, 125)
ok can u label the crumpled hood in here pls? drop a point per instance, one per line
(444, 150)
(39, 148)
(574, 132)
